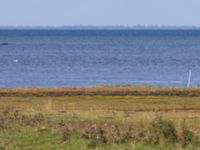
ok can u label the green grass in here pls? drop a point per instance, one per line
(32, 122)
(32, 139)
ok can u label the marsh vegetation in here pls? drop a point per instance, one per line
(99, 121)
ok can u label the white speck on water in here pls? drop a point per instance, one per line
(15, 60)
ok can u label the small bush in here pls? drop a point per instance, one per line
(188, 137)
(164, 130)
(101, 135)
(92, 144)
(95, 133)
(65, 135)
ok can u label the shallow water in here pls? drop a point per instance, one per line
(99, 57)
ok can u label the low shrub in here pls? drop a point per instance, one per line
(188, 137)
(164, 131)
(92, 144)
(65, 135)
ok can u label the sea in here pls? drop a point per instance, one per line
(52, 57)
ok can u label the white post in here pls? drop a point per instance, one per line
(189, 78)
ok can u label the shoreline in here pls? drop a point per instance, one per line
(101, 91)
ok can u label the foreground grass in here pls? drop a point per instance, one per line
(31, 138)
(98, 121)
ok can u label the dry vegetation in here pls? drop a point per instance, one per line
(120, 117)
(102, 90)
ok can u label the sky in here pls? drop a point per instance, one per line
(99, 12)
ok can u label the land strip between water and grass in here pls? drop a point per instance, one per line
(102, 90)
(104, 117)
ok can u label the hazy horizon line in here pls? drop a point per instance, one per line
(100, 27)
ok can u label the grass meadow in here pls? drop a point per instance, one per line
(101, 118)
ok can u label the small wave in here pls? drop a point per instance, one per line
(16, 60)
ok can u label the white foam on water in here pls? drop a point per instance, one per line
(16, 60)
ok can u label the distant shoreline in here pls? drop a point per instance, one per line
(109, 27)
(102, 91)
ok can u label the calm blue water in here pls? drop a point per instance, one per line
(99, 57)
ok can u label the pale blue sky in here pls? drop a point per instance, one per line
(99, 12)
